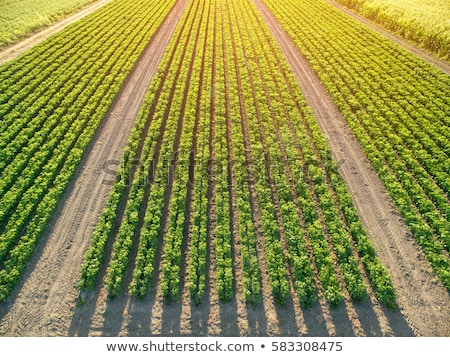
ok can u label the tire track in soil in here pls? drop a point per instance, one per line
(427, 314)
(44, 302)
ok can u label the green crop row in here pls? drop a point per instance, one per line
(20, 18)
(396, 105)
(424, 22)
(52, 104)
(236, 176)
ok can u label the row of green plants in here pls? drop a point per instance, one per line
(284, 121)
(165, 163)
(202, 151)
(233, 173)
(424, 23)
(191, 112)
(146, 161)
(342, 222)
(239, 168)
(220, 166)
(302, 231)
(22, 18)
(45, 130)
(396, 105)
(248, 123)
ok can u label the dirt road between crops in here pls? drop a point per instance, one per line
(17, 49)
(422, 299)
(44, 302)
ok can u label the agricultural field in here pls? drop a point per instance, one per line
(19, 18)
(424, 22)
(221, 167)
(397, 115)
(50, 112)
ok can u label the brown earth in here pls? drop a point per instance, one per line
(45, 303)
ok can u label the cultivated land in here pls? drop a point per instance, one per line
(19, 18)
(440, 63)
(226, 167)
(16, 49)
(424, 22)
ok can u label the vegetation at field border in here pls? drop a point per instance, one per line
(425, 23)
(19, 19)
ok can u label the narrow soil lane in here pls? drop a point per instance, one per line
(423, 301)
(44, 303)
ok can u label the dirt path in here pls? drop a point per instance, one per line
(428, 314)
(437, 62)
(17, 49)
(44, 303)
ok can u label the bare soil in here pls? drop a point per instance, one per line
(45, 303)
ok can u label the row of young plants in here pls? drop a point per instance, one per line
(423, 22)
(279, 126)
(220, 168)
(350, 243)
(280, 158)
(174, 251)
(224, 110)
(258, 179)
(22, 18)
(202, 155)
(49, 134)
(167, 157)
(142, 166)
(237, 167)
(179, 161)
(395, 104)
(240, 164)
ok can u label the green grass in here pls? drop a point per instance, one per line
(19, 18)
